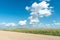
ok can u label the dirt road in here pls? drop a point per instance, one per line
(5, 35)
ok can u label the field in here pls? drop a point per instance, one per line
(55, 32)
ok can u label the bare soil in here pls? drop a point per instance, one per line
(6, 35)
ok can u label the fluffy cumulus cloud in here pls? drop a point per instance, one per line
(41, 9)
(22, 22)
(33, 20)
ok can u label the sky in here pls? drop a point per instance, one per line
(29, 12)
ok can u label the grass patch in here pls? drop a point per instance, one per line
(55, 32)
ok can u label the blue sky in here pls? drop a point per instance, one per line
(14, 11)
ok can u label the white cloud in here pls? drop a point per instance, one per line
(22, 22)
(3, 23)
(10, 24)
(57, 23)
(34, 5)
(47, 25)
(43, 4)
(45, 12)
(33, 20)
(40, 9)
(27, 8)
(7, 24)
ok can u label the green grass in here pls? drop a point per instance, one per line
(55, 32)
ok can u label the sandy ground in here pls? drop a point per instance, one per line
(6, 35)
